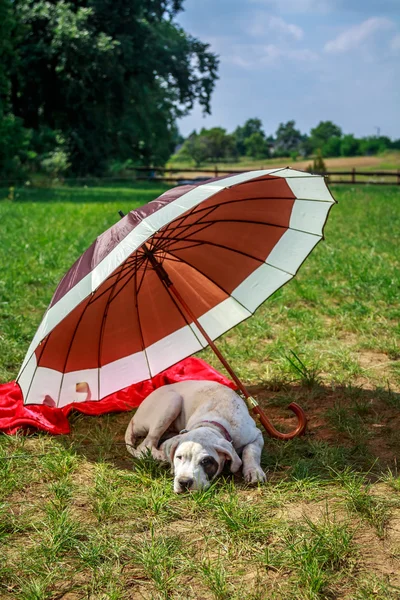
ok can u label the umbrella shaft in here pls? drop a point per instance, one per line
(163, 275)
(250, 401)
(223, 360)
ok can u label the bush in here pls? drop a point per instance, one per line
(332, 147)
(318, 165)
(55, 163)
(349, 146)
(14, 146)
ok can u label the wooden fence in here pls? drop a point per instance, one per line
(188, 175)
(179, 175)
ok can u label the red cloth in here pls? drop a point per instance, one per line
(14, 415)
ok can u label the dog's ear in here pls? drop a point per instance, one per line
(169, 447)
(226, 448)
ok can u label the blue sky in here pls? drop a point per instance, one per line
(307, 60)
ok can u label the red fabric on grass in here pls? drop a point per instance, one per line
(14, 415)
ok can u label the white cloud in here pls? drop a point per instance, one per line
(264, 23)
(297, 6)
(395, 42)
(354, 36)
(254, 56)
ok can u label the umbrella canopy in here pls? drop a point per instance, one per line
(226, 245)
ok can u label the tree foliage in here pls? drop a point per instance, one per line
(322, 134)
(242, 133)
(209, 145)
(108, 76)
(288, 139)
(256, 145)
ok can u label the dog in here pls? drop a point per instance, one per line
(196, 426)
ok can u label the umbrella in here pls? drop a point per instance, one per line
(168, 279)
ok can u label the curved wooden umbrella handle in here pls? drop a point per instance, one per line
(270, 429)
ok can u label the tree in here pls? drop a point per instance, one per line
(322, 133)
(242, 133)
(220, 144)
(210, 144)
(349, 146)
(195, 148)
(112, 76)
(288, 139)
(331, 147)
(14, 138)
(256, 145)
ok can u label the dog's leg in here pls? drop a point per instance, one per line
(167, 412)
(132, 433)
(251, 456)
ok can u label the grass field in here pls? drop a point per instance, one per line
(389, 160)
(76, 521)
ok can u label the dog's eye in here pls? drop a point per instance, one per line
(179, 457)
(206, 461)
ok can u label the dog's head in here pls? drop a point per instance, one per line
(197, 457)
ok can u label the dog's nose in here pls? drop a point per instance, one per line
(186, 483)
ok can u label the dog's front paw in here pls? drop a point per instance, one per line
(254, 475)
(159, 455)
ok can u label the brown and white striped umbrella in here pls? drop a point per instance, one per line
(226, 245)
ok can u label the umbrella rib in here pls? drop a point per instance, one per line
(136, 291)
(184, 226)
(261, 261)
(69, 350)
(133, 270)
(146, 266)
(165, 240)
(188, 323)
(196, 210)
(91, 301)
(102, 327)
(251, 222)
(128, 269)
(37, 364)
(218, 285)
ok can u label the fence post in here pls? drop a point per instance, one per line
(353, 175)
(216, 171)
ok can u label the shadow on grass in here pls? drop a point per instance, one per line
(349, 427)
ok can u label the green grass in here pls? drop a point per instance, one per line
(78, 521)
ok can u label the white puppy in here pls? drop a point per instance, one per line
(213, 425)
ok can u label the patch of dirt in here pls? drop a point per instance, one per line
(376, 556)
(377, 411)
(373, 360)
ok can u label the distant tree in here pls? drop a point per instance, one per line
(322, 133)
(195, 148)
(349, 145)
(242, 133)
(256, 145)
(332, 147)
(220, 144)
(210, 144)
(287, 139)
(305, 148)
